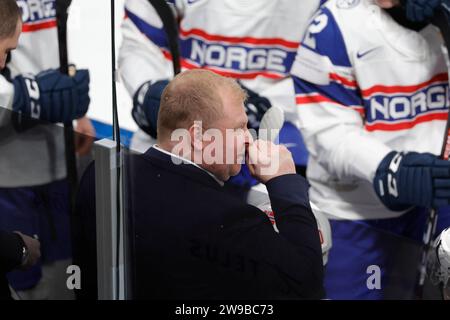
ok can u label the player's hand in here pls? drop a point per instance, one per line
(267, 160)
(146, 104)
(85, 136)
(255, 108)
(421, 10)
(52, 96)
(410, 179)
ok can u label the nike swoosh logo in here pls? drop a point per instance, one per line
(359, 55)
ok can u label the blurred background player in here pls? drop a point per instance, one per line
(249, 40)
(33, 189)
(16, 249)
(373, 111)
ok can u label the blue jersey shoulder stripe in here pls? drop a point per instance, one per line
(333, 91)
(329, 40)
(156, 35)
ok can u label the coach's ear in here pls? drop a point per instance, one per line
(196, 135)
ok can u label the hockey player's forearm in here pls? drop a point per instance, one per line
(6, 98)
(135, 71)
(140, 60)
(335, 137)
(354, 156)
(6, 93)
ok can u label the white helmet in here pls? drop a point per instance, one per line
(438, 267)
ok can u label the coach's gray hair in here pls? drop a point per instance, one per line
(194, 95)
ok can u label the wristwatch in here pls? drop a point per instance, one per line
(25, 254)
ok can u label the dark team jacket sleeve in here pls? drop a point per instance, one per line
(10, 250)
(284, 265)
(298, 231)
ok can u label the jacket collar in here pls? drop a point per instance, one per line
(182, 166)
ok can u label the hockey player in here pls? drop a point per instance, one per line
(16, 249)
(33, 191)
(242, 39)
(372, 96)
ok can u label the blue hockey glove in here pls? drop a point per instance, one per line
(146, 105)
(421, 10)
(410, 179)
(52, 96)
(255, 108)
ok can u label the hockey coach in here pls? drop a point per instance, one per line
(192, 239)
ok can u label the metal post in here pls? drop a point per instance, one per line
(106, 163)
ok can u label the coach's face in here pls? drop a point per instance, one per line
(233, 128)
(8, 44)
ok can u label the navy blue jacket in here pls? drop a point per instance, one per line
(194, 240)
(10, 257)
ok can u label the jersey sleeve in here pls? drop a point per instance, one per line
(144, 54)
(6, 100)
(329, 104)
(6, 93)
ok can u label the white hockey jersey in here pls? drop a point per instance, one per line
(251, 40)
(365, 86)
(36, 156)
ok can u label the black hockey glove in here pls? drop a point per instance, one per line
(255, 108)
(421, 10)
(52, 96)
(410, 179)
(146, 103)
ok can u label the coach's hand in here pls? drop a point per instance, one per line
(267, 160)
